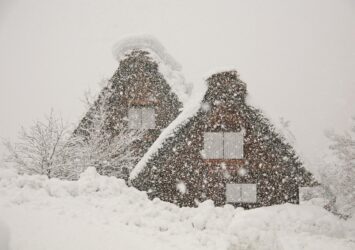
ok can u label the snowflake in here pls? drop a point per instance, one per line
(242, 171)
(181, 187)
(205, 106)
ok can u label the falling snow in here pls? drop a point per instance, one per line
(181, 187)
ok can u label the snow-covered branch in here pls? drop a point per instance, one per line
(39, 148)
(339, 176)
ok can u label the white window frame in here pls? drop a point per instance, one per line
(141, 123)
(241, 193)
(224, 153)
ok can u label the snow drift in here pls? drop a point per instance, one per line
(99, 212)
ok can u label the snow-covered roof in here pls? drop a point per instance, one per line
(190, 109)
(167, 65)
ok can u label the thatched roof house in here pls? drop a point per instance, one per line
(145, 93)
(226, 151)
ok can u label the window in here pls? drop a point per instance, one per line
(242, 193)
(223, 145)
(141, 118)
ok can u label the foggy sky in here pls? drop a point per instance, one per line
(297, 57)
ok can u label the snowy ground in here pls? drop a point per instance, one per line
(99, 212)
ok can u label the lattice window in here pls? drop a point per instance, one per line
(141, 118)
(241, 193)
(223, 145)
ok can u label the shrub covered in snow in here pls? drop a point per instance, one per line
(40, 148)
(49, 148)
(338, 172)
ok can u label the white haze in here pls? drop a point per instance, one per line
(297, 57)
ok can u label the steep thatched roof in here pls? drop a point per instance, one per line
(176, 154)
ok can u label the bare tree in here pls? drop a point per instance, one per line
(109, 150)
(286, 131)
(112, 156)
(51, 148)
(39, 148)
(339, 176)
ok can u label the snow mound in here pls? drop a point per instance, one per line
(168, 66)
(125, 45)
(66, 213)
